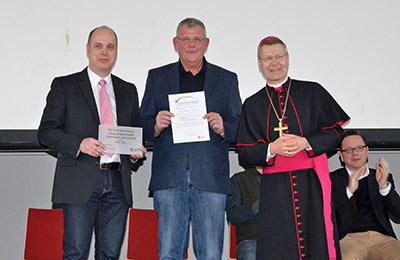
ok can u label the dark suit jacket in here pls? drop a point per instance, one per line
(70, 116)
(209, 165)
(346, 210)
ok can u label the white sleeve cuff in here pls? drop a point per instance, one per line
(133, 161)
(386, 190)
(349, 194)
(269, 156)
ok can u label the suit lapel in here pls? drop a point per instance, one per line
(120, 98)
(344, 176)
(372, 184)
(173, 78)
(373, 190)
(84, 84)
(210, 82)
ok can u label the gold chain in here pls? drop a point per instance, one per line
(287, 97)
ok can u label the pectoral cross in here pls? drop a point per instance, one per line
(280, 128)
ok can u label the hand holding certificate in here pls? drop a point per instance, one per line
(121, 139)
(188, 124)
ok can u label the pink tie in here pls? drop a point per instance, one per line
(106, 113)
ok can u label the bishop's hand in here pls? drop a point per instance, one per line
(289, 145)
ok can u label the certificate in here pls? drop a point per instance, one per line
(188, 125)
(121, 139)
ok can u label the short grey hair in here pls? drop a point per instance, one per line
(270, 40)
(191, 22)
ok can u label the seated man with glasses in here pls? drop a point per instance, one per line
(364, 198)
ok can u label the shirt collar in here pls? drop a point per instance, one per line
(94, 79)
(203, 68)
(276, 86)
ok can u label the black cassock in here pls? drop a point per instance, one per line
(291, 217)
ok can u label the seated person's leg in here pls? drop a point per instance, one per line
(354, 246)
(246, 250)
(386, 248)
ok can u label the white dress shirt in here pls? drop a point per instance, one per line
(94, 82)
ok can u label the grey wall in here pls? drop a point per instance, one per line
(26, 181)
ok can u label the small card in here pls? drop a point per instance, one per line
(121, 139)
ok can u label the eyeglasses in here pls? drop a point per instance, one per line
(195, 40)
(269, 59)
(351, 150)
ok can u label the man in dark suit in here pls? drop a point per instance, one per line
(191, 180)
(94, 188)
(364, 198)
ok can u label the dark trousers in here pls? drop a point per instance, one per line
(106, 212)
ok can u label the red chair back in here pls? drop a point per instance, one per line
(44, 234)
(142, 234)
(232, 241)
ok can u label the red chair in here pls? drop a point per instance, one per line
(142, 234)
(232, 242)
(44, 234)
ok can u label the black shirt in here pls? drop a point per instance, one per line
(189, 82)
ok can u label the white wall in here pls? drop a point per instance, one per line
(26, 181)
(350, 47)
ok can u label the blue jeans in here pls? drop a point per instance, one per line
(106, 211)
(176, 207)
(246, 250)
